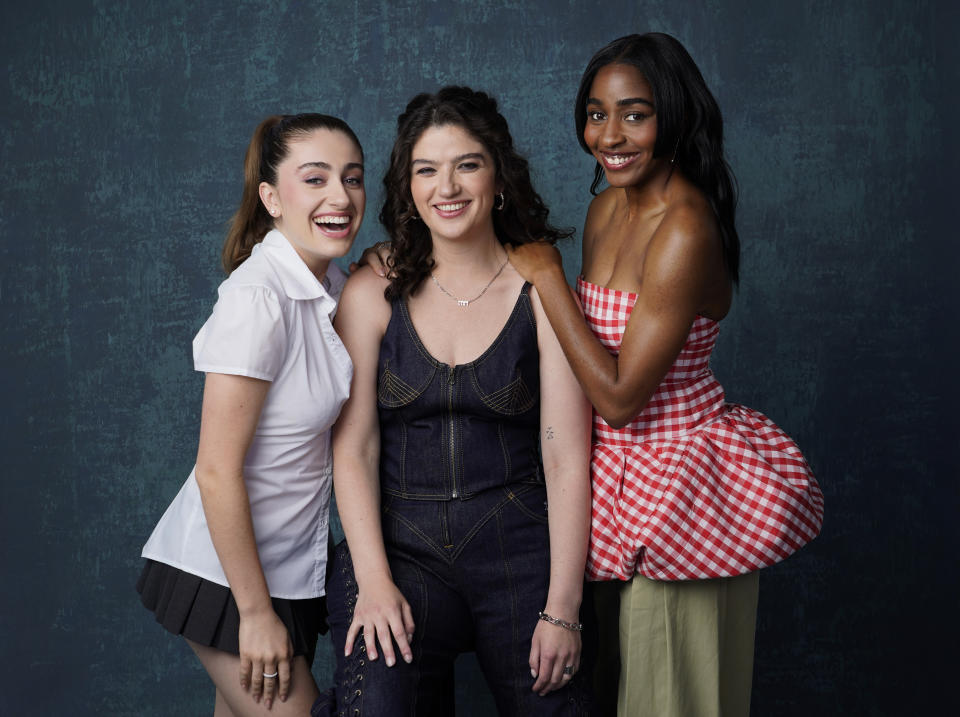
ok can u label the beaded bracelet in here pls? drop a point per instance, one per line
(575, 626)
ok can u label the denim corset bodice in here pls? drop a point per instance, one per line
(453, 431)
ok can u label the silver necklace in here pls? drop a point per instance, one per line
(466, 302)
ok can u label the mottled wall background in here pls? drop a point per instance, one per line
(123, 129)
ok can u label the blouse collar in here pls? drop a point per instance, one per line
(297, 280)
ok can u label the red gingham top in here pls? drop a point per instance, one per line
(693, 487)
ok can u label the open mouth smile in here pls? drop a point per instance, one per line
(334, 225)
(449, 210)
(613, 162)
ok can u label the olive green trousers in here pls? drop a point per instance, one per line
(686, 647)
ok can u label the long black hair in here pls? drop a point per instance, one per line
(524, 216)
(689, 123)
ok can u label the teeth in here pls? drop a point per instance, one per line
(617, 159)
(331, 220)
(451, 207)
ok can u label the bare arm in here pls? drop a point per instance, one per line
(565, 441)
(381, 609)
(680, 262)
(231, 410)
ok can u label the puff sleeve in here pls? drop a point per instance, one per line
(245, 335)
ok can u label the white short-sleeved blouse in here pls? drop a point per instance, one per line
(272, 321)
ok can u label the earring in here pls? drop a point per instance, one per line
(502, 200)
(675, 148)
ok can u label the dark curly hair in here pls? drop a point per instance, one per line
(689, 123)
(524, 217)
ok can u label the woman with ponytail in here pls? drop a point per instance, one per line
(237, 563)
(691, 495)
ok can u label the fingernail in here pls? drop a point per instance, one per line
(408, 658)
(389, 662)
(533, 674)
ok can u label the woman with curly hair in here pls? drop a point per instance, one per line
(691, 495)
(440, 479)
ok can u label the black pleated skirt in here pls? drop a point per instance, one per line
(207, 614)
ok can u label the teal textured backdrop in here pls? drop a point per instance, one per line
(122, 136)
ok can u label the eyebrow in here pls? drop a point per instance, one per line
(458, 158)
(622, 103)
(324, 165)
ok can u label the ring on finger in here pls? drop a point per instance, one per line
(272, 675)
(568, 671)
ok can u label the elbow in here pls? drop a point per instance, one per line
(617, 416)
(617, 412)
(615, 420)
(209, 478)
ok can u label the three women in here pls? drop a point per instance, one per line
(438, 481)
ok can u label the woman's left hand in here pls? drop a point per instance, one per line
(532, 258)
(375, 257)
(553, 648)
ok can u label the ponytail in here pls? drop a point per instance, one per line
(268, 148)
(251, 221)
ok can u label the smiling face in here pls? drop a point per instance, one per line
(453, 182)
(319, 198)
(621, 126)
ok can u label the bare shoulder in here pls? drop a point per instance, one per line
(599, 214)
(363, 296)
(601, 207)
(688, 225)
(684, 263)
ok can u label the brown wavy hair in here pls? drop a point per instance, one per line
(268, 147)
(524, 217)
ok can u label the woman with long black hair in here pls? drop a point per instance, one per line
(691, 495)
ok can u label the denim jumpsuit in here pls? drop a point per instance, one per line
(464, 517)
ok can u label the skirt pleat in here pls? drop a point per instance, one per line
(206, 613)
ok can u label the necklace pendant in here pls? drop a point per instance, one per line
(463, 302)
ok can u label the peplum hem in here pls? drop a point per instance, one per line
(731, 497)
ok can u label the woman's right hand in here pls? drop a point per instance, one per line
(382, 611)
(265, 649)
(534, 258)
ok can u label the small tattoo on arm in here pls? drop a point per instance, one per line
(549, 433)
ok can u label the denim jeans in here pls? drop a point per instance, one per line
(476, 574)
